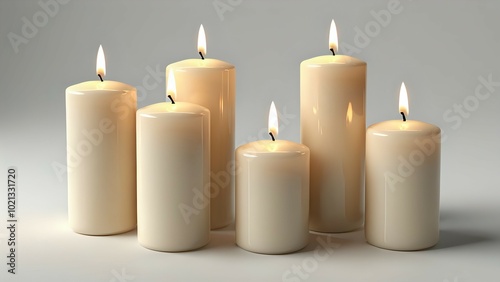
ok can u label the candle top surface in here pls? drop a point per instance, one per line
(403, 127)
(96, 86)
(269, 148)
(333, 60)
(167, 108)
(207, 63)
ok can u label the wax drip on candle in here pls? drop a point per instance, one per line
(404, 117)
(171, 99)
(100, 77)
(272, 136)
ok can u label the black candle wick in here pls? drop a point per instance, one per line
(404, 117)
(333, 51)
(100, 77)
(171, 99)
(272, 136)
(201, 55)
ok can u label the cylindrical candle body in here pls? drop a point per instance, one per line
(100, 126)
(211, 84)
(173, 176)
(332, 116)
(402, 184)
(272, 196)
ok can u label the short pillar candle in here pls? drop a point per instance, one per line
(272, 195)
(402, 183)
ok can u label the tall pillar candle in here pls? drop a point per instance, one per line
(100, 128)
(211, 83)
(272, 195)
(173, 176)
(402, 183)
(332, 116)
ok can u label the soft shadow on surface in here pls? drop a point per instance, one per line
(322, 241)
(331, 241)
(454, 231)
(457, 238)
(226, 238)
(131, 233)
(127, 234)
(222, 238)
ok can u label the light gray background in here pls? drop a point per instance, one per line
(439, 48)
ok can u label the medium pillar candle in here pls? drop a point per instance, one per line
(402, 184)
(332, 122)
(272, 196)
(100, 127)
(173, 157)
(211, 83)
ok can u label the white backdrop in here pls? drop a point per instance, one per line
(445, 51)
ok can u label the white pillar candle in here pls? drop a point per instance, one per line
(402, 183)
(173, 175)
(211, 83)
(332, 116)
(272, 195)
(100, 127)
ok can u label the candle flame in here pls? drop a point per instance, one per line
(403, 100)
(101, 62)
(202, 41)
(334, 40)
(273, 120)
(171, 88)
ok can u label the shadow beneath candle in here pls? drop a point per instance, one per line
(127, 234)
(323, 242)
(222, 238)
(226, 239)
(454, 217)
(457, 238)
(461, 227)
(131, 233)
